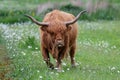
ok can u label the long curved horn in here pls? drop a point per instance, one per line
(37, 22)
(76, 18)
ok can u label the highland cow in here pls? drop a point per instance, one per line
(58, 36)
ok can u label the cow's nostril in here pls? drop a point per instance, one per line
(59, 41)
(60, 45)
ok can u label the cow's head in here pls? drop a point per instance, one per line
(57, 29)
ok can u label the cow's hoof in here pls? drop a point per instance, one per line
(73, 65)
(59, 69)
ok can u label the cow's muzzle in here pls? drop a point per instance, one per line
(59, 43)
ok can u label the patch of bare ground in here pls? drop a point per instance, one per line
(4, 64)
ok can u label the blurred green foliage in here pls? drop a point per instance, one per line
(114, 1)
(13, 15)
(13, 11)
(109, 13)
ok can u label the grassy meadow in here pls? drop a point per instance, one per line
(97, 54)
(98, 43)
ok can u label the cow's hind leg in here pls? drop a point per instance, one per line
(72, 53)
(46, 57)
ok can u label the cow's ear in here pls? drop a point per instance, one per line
(44, 28)
(69, 28)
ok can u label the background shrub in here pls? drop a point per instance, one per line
(14, 15)
(11, 14)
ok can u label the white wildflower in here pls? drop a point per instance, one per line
(40, 77)
(13, 55)
(29, 47)
(56, 68)
(23, 53)
(36, 48)
(57, 74)
(18, 37)
(38, 71)
(22, 69)
(118, 71)
(68, 69)
(44, 62)
(113, 68)
(13, 34)
(52, 73)
(64, 64)
(63, 71)
(113, 47)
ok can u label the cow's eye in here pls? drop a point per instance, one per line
(51, 33)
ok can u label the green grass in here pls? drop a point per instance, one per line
(97, 54)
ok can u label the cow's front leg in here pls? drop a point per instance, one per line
(46, 58)
(60, 56)
(58, 65)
